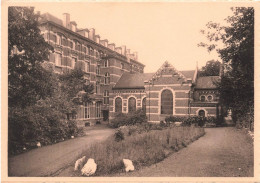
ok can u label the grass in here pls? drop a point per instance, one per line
(143, 149)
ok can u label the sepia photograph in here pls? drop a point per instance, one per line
(138, 89)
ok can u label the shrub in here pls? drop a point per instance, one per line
(121, 119)
(119, 135)
(141, 148)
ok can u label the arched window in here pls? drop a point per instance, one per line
(131, 104)
(166, 102)
(107, 78)
(106, 97)
(118, 104)
(144, 104)
(209, 97)
(202, 98)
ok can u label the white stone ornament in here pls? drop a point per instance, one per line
(89, 168)
(79, 163)
(128, 165)
(38, 144)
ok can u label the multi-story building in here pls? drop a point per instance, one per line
(102, 62)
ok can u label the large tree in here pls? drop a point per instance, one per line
(211, 68)
(27, 49)
(237, 52)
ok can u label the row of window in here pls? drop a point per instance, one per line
(60, 40)
(131, 104)
(204, 98)
(166, 103)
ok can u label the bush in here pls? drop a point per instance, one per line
(122, 119)
(119, 135)
(141, 148)
(38, 124)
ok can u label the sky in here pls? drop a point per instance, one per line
(159, 31)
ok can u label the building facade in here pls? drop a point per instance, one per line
(166, 92)
(103, 63)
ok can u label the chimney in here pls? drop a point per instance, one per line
(123, 50)
(119, 50)
(73, 26)
(127, 51)
(111, 46)
(92, 34)
(104, 42)
(66, 20)
(136, 55)
(97, 38)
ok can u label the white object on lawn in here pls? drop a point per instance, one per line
(128, 165)
(39, 144)
(79, 163)
(89, 168)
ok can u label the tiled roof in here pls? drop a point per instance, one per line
(49, 17)
(188, 74)
(207, 82)
(135, 80)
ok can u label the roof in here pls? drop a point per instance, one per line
(188, 73)
(49, 17)
(207, 82)
(132, 80)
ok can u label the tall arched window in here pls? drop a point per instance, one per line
(106, 64)
(118, 104)
(131, 104)
(166, 102)
(107, 78)
(144, 104)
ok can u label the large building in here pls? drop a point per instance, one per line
(103, 62)
(118, 78)
(166, 92)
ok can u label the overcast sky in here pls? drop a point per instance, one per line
(157, 31)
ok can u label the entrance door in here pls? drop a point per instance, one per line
(202, 113)
(105, 115)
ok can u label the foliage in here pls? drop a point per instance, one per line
(212, 68)
(140, 148)
(26, 50)
(134, 118)
(237, 83)
(39, 101)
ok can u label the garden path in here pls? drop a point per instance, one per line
(49, 160)
(222, 152)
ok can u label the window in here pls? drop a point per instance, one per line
(74, 60)
(106, 97)
(166, 102)
(88, 67)
(201, 113)
(98, 70)
(71, 45)
(131, 104)
(87, 110)
(84, 50)
(107, 78)
(91, 51)
(78, 47)
(106, 64)
(144, 105)
(58, 40)
(97, 87)
(98, 109)
(58, 59)
(202, 98)
(118, 104)
(210, 97)
(122, 66)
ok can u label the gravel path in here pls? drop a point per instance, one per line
(222, 152)
(51, 159)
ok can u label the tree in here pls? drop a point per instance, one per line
(27, 49)
(237, 52)
(212, 68)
